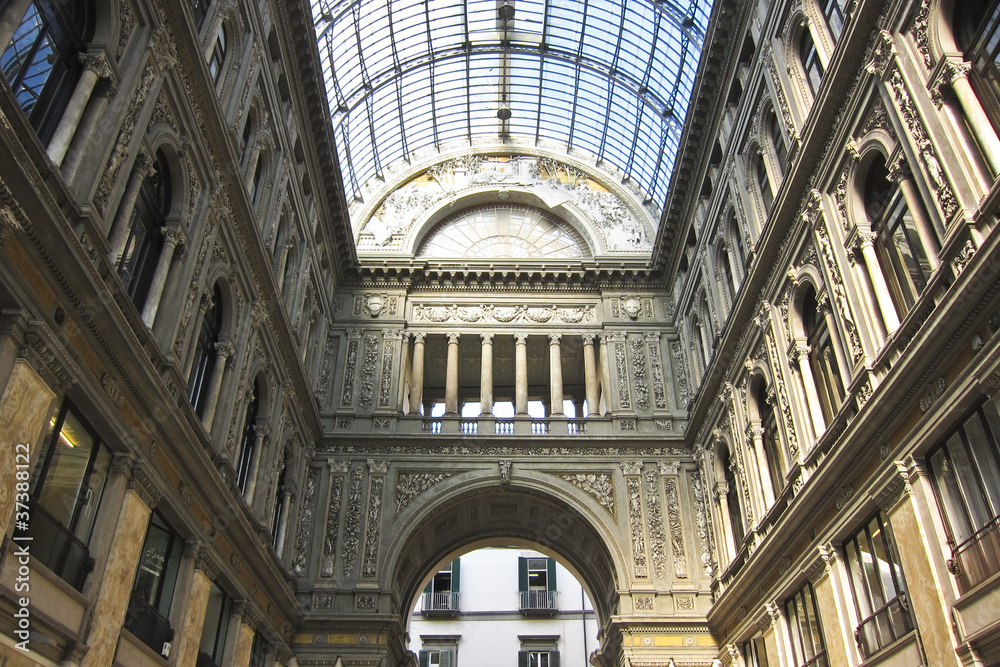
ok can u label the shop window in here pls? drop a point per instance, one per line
(214, 628)
(66, 490)
(804, 629)
(878, 586)
(153, 590)
(258, 651)
(754, 652)
(966, 473)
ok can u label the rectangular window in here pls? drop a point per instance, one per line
(442, 593)
(804, 628)
(754, 653)
(966, 473)
(535, 658)
(258, 652)
(537, 584)
(436, 657)
(878, 586)
(66, 490)
(153, 589)
(214, 628)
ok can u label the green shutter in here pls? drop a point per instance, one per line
(429, 586)
(456, 569)
(553, 658)
(550, 575)
(522, 656)
(445, 658)
(522, 575)
(425, 659)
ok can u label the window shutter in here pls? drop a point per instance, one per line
(553, 658)
(456, 579)
(424, 659)
(430, 585)
(522, 575)
(522, 656)
(550, 575)
(445, 658)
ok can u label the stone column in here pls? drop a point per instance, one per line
(605, 372)
(83, 139)
(590, 376)
(203, 305)
(766, 484)
(722, 496)
(521, 374)
(286, 503)
(141, 168)
(957, 74)
(451, 376)
(486, 376)
(115, 589)
(95, 66)
(882, 295)
(555, 375)
(172, 237)
(868, 301)
(815, 408)
(25, 409)
(194, 582)
(900, 172)
(417, 385)
(261, 431)
(223, 350)
(402, 395)
(844, 361)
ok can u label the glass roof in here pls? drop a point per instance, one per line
(605, 79)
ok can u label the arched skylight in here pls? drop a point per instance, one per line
(608, 79)
(502, 232)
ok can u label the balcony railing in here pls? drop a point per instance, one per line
(978, 558)
(440, 602)
(146, 623)
(884, 627)
(58, 549)
(538, 601)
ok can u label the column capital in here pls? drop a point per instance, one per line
(521, 338)
(899, 169)
(419, 336)
(554, 338)
(866, 239)
(802, 350)
(173, 235)
(262, 430)
(588, 338)
(453, 338)
(487, 338)
(96, 63)
(224, 349)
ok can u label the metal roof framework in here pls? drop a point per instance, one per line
(605, 79)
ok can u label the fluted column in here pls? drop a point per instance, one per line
(802, 352)
(882, 295)
(172, 237)
(767, 486)
(555, 375)
(223, 350)
(83, 138)
(521, 374)
(95, 66)
(590, 375)
(957, 74)
(141, 168)
(287, 492)
(900, 172)
(451, 376)
(261, 431)
(417, 385)
(486, 376)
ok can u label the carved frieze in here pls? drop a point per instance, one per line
(504, 314)
(352, 521)
(621, 366)
(633, 490)
(676, 531)
(347, 396)
(306, 513)
(329, 558)
(639, 373)
(654, 521)
(598, 486)
(373, 526)
(385, 381)
(411, 484)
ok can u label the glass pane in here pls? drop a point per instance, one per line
(152, 563)
(90, 500)
(64, 476)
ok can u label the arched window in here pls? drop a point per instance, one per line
(977, 28)
(249, 438)
(764, 184)
(733, 499)
(218, 57)
(900, 251)
(205, 352)
(258, 172)
(247, 137)
(833, 12)
(41, 62)
(772, 444)
(729, 286)
(812, 68)
(822, 357)
(777, 136)
(145, 238)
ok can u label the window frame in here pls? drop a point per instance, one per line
(809, 628)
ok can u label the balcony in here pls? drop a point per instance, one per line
(978, 558)
(58, 549)
(147, 625)
(538, 603)
(440, 604)
(886, 626)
